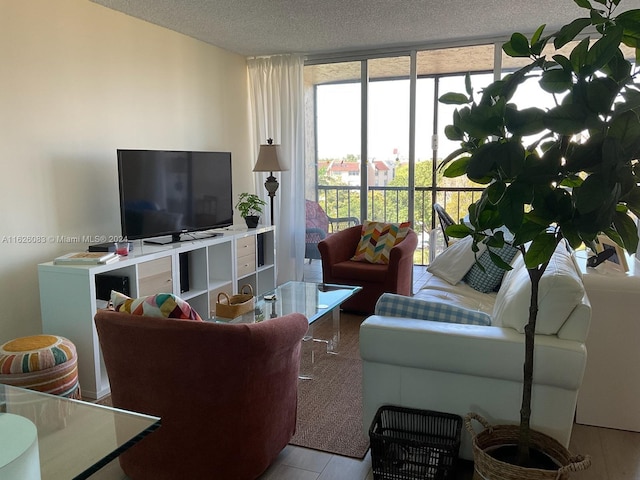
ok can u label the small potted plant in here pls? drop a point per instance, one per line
(250, 207)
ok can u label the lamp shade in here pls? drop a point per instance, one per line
(268, 159)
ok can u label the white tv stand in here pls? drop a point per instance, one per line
(218, 264)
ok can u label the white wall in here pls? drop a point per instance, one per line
(78, 81)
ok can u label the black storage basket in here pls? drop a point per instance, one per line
(409, 444)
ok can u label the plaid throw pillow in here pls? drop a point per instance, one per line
(392, 305)
(378, 239)
(491, 278)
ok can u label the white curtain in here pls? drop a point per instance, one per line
(277, 110)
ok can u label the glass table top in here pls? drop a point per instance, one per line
(75, 438)
(313, 300)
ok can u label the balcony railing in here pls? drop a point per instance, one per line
(390, 204)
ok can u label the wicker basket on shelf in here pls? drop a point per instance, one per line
(235, 305)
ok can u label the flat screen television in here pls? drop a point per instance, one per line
(170, 193)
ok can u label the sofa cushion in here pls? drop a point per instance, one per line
(392, 305)
(486, 278)
(377, 240)
(161, 305)
(560, 291)
(456, 260)
(461, 294)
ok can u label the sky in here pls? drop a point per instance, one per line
(338, 111)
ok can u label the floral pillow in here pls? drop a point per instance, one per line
(378, 239)
(163, 305)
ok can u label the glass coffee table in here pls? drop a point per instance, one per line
(315, 301)
(75, 438)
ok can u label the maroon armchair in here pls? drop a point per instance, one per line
(226, 393)
(375, 279)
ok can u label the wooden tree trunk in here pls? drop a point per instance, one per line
(524, 439)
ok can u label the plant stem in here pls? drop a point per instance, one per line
(524, 437)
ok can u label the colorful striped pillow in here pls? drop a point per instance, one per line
(163, 305)
(378, 239)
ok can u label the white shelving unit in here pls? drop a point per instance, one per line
(68, 294)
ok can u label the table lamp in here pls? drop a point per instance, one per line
(268, 162)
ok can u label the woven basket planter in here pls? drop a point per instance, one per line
(488, 468)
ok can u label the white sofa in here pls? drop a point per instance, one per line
(461, 368)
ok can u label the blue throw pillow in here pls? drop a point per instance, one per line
(490, 279)
(392, 305)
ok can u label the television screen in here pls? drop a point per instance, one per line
(173, 192)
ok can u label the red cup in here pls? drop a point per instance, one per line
(122, 248)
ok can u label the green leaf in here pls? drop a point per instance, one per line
(511, 207)
(467, 85)
(517, 46)
(528, 121)
(482, 121)
(583, 3)
(510, 158)
(457, 168)
(572, 181)
(458, 230)
(537, 44)
(571, 233)
(626, 128)
(495, 191)
(627, 230)
(631, 101)
(578, 55)
(600, 94)
(482, 161)
(591, 194)
(564, 62)
(452, 98)
(597, 18)
(566, 119)
(570, 31)
(453, 133)
(604, 49)
(556, 81)
(498, 261)
(632, 200)
(452, 156)
(527, 232)
(629, 20)
(540, 251)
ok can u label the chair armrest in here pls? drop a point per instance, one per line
(350, 221)
(339, 246)
(484, 351)
(317, 231)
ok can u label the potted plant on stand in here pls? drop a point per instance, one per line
(568, 172)
(250, 207)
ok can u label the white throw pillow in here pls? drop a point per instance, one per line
(454, 263)
(560, 290)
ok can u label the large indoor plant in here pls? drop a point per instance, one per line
(250, 207)
(579, 177)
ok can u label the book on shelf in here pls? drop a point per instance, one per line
(86, 258)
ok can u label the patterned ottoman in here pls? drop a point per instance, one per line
(46, 363)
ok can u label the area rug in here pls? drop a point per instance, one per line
(330, 403)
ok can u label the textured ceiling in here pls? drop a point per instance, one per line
(266, 27)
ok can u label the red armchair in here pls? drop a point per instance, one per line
(375, 279)
(226, 393)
